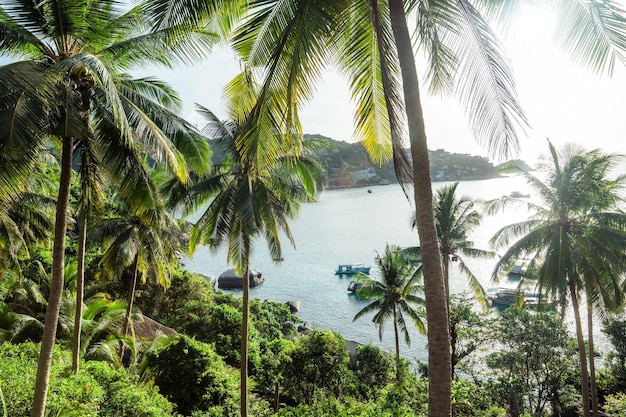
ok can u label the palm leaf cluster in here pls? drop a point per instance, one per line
(260, 185)
(67, 88)
(396, 294)
(575, 240)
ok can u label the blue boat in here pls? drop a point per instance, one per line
(351, 269)
(519, 269)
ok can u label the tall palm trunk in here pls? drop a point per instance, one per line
(397, 340)
(446, 278)
(129, 304)
(592, 361)
(581, 349)
(439, 357)
(244, 339)
(80, 290)
(56, 283)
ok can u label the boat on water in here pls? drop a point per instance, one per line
(517, 194)
(519, 269)
(354, 286)
(512, 296)
(351, 269)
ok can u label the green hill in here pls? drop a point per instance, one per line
(348, 165)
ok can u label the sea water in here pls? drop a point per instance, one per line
(352, 226)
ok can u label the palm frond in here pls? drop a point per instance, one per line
(486, 88)
(593, 32)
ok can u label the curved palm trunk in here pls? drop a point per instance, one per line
(592, 362)
(56, 283)
(129, 306)
(80, 289)
(244, 340)
(581, 350)
(397, 336)
(439, 357)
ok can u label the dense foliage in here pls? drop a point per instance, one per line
(99, 390)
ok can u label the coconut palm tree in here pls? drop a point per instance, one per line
(23, 222)
(576, 239)
(141, 245)
(398, 293)
(455, 218)
(253, 192)
(68, 84)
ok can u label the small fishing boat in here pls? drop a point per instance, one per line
(351, 269)
(519, 269)
(354, 286)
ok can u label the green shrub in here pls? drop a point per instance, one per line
(125, 396)
(374, 370)
(615, 405)
(317, 361)
(192, 376)
(98, 390)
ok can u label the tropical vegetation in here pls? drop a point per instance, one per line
(253, 192)
(397, 296)
(116, 145)
(575, 239)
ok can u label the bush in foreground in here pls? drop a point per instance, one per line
(98, 390)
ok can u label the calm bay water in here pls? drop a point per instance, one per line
(352, 225)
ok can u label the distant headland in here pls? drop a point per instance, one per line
(348, 165)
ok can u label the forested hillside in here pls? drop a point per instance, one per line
(348, 165)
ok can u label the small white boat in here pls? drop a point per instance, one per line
(513, 296)
(351, 269)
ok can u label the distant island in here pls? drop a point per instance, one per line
(348, 165)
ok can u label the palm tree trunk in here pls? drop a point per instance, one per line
(129, 305)
(439, 357)
(581, 350)
(446, 278)
(244, 340)
(80, 289)
(56, 283)
(592, 362)
(446, 282)
(397, 340)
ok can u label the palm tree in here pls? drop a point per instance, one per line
(23, 222)
(253, 192)
(142, 245)
(576, 240)
(455, 218)
(396, 295)
(70, 86)
(369, 41)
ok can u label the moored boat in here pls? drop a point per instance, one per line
(351, 269)
(517, 194)
(512, 296)
(354, 286)
(519, 269)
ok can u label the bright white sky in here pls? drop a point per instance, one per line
(563, 102)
